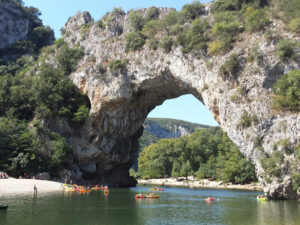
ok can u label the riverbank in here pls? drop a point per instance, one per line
(12, 186)
(204, 183)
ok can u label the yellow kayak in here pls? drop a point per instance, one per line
(69, 189)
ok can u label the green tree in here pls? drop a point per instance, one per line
(186, 169)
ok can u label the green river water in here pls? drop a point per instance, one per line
(180, 206)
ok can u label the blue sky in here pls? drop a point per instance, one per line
(55, 13)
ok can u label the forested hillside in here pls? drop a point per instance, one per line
(35, 94)
(206, 153)
(158, 128)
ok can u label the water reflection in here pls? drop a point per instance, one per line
(175, 206)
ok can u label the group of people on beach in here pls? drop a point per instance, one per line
(3, 175)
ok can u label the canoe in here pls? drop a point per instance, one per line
(153, 196)
(140, 196)
(3, 207)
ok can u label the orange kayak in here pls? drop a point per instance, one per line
(153, 196)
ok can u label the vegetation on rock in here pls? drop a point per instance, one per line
(287, 91)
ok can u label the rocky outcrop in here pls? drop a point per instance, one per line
(14, 24)
(122, 100)
(169, 128)
(106, 146)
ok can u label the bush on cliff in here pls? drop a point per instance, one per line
(134, 41)
(287, 92)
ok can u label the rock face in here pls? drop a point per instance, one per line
(169, 128)
(122, 100)
(14, 24)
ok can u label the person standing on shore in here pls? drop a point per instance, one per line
(35, 190)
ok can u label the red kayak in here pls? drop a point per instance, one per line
(140, 196)
(210, 199)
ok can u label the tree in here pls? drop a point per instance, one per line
(186, 169)
(176, 169)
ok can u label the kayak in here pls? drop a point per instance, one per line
(84, 191)
(209, 199)
(140, 196)
(69, 189)
(156, 189)
(3, 207)
(261, 199)
(152, 196)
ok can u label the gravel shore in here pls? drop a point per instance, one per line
(14, 186)
(204, 183)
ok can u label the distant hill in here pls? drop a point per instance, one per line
(158, 128)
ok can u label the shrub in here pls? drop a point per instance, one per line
(166, 44)
(86, 28)
(245, 120)
(152, 13)
(255, 19)
(227, 5)
(117, 66)
(171, 19)
(230, 68)
(118, 11)
(101, 69)
(191, 11)
(176, 29)
(136, 20)
(151, 28)
(287, 91)
(296, 181)
(226, 32)
(67, 58)
(215, 47)
(195, 39)
(134, 41)
(285, 49)
(254, 54)
(294, 25)
(82, 113)
(101, 24)
(42, 36)
(153, 43)
(272, 164)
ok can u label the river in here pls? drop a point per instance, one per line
(180, 206)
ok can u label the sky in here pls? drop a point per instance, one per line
(55, 14)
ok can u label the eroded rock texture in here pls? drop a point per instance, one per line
(122, 100)
(106, 146)
(14, 24)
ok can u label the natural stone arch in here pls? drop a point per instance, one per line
(122, 99)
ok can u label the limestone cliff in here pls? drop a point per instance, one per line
(170, 128)
(122, 100)
(123, 92)
(14, 24)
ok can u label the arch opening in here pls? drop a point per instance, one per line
(176, 146)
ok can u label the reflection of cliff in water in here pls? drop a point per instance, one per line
(278, 212)
(261, 213)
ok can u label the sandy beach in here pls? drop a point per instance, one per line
(14, 186)
(204, 183)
